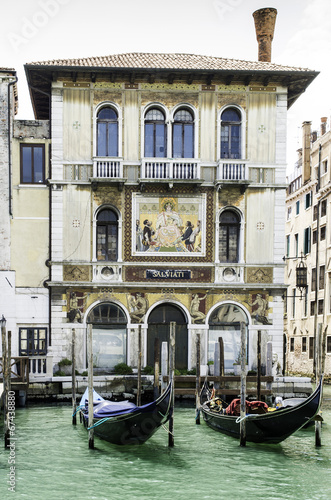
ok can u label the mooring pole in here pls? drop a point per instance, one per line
(318, 338)
(139, 368)
(171, 379)
(73, 376)
(164, 365)
(258, 384)
(90, 386)
(243, 385)
(5, 381)
(197, 382)
(156, 367)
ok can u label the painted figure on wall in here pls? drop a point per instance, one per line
(196, 314)
(77, 302)
(260, 308)
(169, 224)
(138, 306)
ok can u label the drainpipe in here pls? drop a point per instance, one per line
(9, 145)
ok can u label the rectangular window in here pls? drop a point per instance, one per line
(311, 347)
(289, 213)
(32, 341)
(292, 344)
(288, 241)
(328, 344)
(32, 163)
(320, 306)
(296, 244)
(314, 236)
(293, 302)
(297, 207)
(321, 279)
(306, 240)
(308, 199)
(306, 302)
(324, 167)
(323, 232)
(304, 344)
(312, 308)
(323, 208)
(313, 280)
(315, 212)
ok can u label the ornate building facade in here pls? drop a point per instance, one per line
(151, 190)
(308, 237)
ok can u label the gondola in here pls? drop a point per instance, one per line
(265, 426)
(125, 423)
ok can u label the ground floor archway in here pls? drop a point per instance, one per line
(159, 327)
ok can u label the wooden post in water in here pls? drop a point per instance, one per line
(217, 365)
(269, 364)
(139, 368)
(197, 382)
(90, 386)
(172, 344)
(156, 367)
(243, 385)
(258, 383)
(318, 351)
(221, 343)
(5, 381)
(73, 376)
(164, 365)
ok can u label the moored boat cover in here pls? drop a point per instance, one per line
(111, 408)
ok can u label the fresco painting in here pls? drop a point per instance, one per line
(169, 224)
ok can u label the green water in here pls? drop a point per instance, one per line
(52, 461)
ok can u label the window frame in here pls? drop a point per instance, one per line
(32, 352)
(231, 124)
(183, 123)
(107, 224)
(107, 122)
(34, 145)
(238, 226)
(155, 123)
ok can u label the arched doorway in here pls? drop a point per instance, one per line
(109, 337)
(159, 327)
(225, 322)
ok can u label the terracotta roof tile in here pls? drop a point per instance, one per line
(139, 60)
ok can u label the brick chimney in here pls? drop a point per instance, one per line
(323, 125)
(306, 137)
(265, 20)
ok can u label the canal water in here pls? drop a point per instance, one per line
(53, 462)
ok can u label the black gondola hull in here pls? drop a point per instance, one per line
(136, 426)
(271, 427)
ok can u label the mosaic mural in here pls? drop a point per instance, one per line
(169, 225)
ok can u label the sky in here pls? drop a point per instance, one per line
(42, 30)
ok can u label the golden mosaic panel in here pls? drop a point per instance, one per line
(108, 85)
(259, 275)
(169, 86)
(76, 273)
(108, 195)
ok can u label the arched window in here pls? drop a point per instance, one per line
(155, 134)
(231, 134)
(229, 234)
(183, 134)
(107, 132)
(109, 337)
(107, 235)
